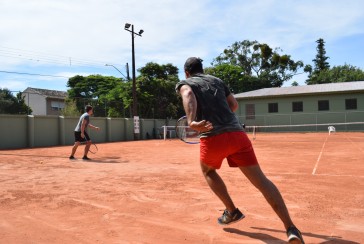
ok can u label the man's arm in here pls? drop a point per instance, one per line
(83, 127)
(190, 107)
(189, 102)
(233, 104)
(94, 127)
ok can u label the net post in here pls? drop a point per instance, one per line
(164, 132)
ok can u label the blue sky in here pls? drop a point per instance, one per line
(63, 38)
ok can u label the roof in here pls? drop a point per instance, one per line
(342, 87)
(47, 93)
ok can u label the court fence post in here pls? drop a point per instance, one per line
(164, 132)
(30, 131)
(108, 130)
(61, 129)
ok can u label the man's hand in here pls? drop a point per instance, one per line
(201, 126)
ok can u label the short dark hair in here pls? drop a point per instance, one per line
(88, 108)
(193, 65)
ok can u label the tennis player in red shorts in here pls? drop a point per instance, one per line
(210, 108)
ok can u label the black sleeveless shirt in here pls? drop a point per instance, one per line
(211, 93)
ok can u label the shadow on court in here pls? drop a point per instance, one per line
(255, 235)
(32, 155)
(105, 161)
(110, 160)
(327, 239)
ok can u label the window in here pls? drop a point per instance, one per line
(323, 105)
(297, 106)
(272, 107)
(249, 111)
(351, 103)
(57, 105)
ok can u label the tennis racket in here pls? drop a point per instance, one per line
(93, 148)
(185, 133)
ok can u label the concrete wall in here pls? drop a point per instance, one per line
(27, 131)
(13, 131)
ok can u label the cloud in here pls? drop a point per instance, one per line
(69, 35)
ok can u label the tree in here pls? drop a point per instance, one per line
(113, 97)
(320, 60)
(70, 108)
(156, 95)
(10, 104)
(341, 73)
(259, 60)
(320, 64)
(93, 90)
(234, 78)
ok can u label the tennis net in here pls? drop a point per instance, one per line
(326, 127)
(170, 131)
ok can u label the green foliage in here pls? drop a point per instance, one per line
(10, 104)
(341, 73)
(156, 85)
(112, 97)
(259, 63)
(93, 90)
(320, 60)
(320, 64)
(234, 79)
(70, 108)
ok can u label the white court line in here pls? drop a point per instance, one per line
(336, 175)
(326, 175)
(318, 160)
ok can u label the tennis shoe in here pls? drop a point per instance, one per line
(72, 158)
(229, 218)
(86, 158)
(294, 235)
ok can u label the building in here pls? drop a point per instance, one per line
(44, 102)
(309, 104)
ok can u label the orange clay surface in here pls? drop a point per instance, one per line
(153, 192)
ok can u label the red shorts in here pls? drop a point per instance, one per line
(234, 146)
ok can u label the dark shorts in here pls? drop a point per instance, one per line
(234, 146)
(79, 138)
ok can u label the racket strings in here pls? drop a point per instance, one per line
(185, 133)
(93, 148)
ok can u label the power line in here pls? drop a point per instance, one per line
(23, 73)
(47, 58)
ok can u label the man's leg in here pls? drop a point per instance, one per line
(74, 148)
(87, 147)
(217, 185)
(269, 191)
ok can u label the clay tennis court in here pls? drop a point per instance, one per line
(153, 192)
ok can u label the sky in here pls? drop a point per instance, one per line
(45, 42)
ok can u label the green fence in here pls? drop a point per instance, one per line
(27, 131)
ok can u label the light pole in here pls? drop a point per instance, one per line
(135, 102)
(127, 78)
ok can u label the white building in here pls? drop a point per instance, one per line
(44, 102)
